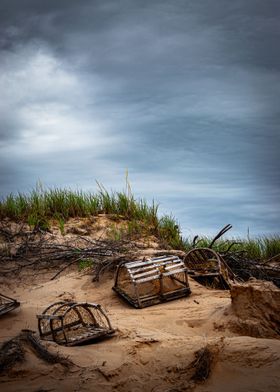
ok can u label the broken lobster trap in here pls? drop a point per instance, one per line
(207, 267)
(7, 304)
(151, 281)
(71, 323)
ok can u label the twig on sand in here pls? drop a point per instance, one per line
(65, 267)
(41, 351)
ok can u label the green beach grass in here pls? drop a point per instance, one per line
(260, 248)
(41, 206)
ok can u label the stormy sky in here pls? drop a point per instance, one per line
(183, 94)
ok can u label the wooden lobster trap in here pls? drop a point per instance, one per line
(151, 281)
(207, 267)
(7, 304)
(71, 323)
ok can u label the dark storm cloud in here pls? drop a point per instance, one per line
(183, 94)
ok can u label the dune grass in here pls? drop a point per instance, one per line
(41, 206)
(263, 247)
(65, 203)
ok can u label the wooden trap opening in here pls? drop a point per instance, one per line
(208, 268)
(7, 304)
(151, 281)
(71, 323)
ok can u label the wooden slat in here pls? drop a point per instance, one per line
(170, 257)
(154, 277)
(153, 271)
(144, 268)
(175, 265)
(152, 265)
(135, 264)
(49, 317)
(205, 274)
(173, 272)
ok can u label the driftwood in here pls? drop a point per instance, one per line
(245, 268)
(13, 351)
(41, 351)
(220, 234)
(28, 249)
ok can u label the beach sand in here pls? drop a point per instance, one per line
(153, 348)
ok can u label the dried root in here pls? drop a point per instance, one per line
(202, 364)
(13, 351)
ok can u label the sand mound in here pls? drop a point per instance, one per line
(256, 307)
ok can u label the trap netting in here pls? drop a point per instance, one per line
(72, 323)
(151, 281)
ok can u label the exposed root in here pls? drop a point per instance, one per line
(202, 364)
(13, 351)
(40, 350)
(42, 250)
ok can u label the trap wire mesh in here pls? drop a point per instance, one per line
(151, 281)
(207, 266)
(7, 304)
(71, 323)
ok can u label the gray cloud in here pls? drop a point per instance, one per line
(185, 96)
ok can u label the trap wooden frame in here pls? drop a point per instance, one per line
(206, 263)
(7, 304)
(71, 323)
(151, 281)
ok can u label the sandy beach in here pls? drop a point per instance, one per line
(152, 349)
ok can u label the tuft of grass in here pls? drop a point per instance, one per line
(116, 233)
(39, 207)
(61, 223)
(85, 263)
(169, 232)
(64, 203)
(260, 248)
